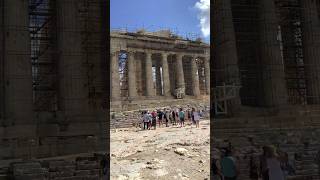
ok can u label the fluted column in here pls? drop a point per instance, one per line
(17, 75)
(148, 70)
(179, 73)
(207, 73)
(165, 75)
(115, 78)
(274, 89)
(73, 77)
(311, 49)
(195, 77)
(132, 87)
(225, 50)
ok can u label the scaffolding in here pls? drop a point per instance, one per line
(42, 15)
(44, 51)
(291, 41)
(252, 72)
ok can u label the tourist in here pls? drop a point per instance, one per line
(228, 166)
(216, 169)
(263, 164)
(181, 117)
(271, 168)
(254, 167)
(173, 116)
(190, 116)
(273, 164)
(286, 166)
(160, 115)
(149, 120)
(167, 114)
(145, 120)
(196, 117)
(177, 116)
(154, 119)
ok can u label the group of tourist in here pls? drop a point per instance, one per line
(270, 166)
(175, 117)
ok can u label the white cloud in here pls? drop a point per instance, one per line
(204, 16)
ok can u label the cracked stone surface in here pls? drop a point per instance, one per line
(150, 154)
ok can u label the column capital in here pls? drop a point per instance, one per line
(149, 51)
(165, 54)
(130, 53)
(114, 53)
(180, 55)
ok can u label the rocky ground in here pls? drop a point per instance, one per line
(164, 153)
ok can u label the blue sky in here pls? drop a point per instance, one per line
(181, 16)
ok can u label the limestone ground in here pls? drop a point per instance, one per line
(164, 153)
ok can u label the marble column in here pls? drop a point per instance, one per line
(16, 64)
(132, 87)
(115, 77)
(165, 75)
(207, 73)
(195, 77)
(225, 48)
(179, 73)
(225, 51)
(148, 70)
(311, 49)
(274, 84)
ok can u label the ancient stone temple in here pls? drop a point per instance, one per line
(147, 68)
(266, 79)
(53, 78)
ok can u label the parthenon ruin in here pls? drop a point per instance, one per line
(266, 75)
(269, 49)
(53, 78)
(157, 66)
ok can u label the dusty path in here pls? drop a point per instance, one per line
(150, 154)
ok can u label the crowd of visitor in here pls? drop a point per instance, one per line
(175, 117)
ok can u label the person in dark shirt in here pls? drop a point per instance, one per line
(173, 116)
(181, 116)
(160, 115)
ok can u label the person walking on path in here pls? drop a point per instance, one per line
(160, 115)
(167, 114)
(273, 164)
(196, 118)
(181, 117)
(149, 120)
(145, 120)
(154, 119)
(173, 116)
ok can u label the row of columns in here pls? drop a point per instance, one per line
(274, 88)
(180, 81)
